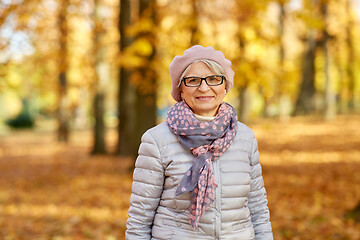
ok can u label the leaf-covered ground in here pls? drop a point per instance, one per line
(59, 192)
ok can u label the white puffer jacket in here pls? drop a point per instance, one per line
(240, 210)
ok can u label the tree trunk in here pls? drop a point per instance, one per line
(99, 146)
(63, 114)
(244, 108)
(101, 80)
(351, 57)
(146, 114)
(194, 25)
(330, 104)
(305, 102)
(146, 91)
(343, 104)
(283, 114)
(126, 103)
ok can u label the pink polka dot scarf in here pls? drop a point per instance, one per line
(207, 141)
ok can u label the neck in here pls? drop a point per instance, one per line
(204, 118)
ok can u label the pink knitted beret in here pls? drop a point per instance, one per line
(197, 52)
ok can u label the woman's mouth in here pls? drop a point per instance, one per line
(204, 98)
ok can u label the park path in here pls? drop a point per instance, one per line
(59, 192)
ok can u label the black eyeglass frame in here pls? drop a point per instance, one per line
(204, 79)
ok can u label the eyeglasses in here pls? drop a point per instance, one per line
(213, 80)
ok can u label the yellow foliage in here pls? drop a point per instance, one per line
(11, 105)
(142, 47)
(135, 55)
(145, 25)
(14, 79)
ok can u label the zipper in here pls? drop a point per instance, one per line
(217, 222)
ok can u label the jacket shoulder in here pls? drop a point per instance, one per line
(158, 130)
(245, 131)
(161, 135)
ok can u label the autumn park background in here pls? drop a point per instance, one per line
(81, 80)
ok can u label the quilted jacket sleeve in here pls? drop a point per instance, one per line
(146, 190)
(260, 215)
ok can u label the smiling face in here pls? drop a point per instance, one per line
(204, 100)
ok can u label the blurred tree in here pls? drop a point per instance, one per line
(63, 114)
(330, 101)
(127, 98)
(345, 52)
(16, 36)
(101, 81)
(194, 23)
(6, 8)
(144, 76)
(351, 55)
(244, 108)
(282, 94)
(264, 55)
(246, 68)
(24, 119)
(305, 103)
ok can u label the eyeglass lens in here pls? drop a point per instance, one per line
(210, 80)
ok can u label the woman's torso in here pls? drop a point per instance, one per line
(229, 218)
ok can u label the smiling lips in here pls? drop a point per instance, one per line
(204, 98)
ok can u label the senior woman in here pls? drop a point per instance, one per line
(198, 175)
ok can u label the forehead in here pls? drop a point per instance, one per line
(199, 69)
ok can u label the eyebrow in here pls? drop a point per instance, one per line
(202, 77)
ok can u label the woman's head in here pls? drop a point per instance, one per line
(215, 60)
(202, 89)
(201, 77)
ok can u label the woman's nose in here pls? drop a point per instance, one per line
(203, 86)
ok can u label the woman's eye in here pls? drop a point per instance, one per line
(193, 80)
(214, 79)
